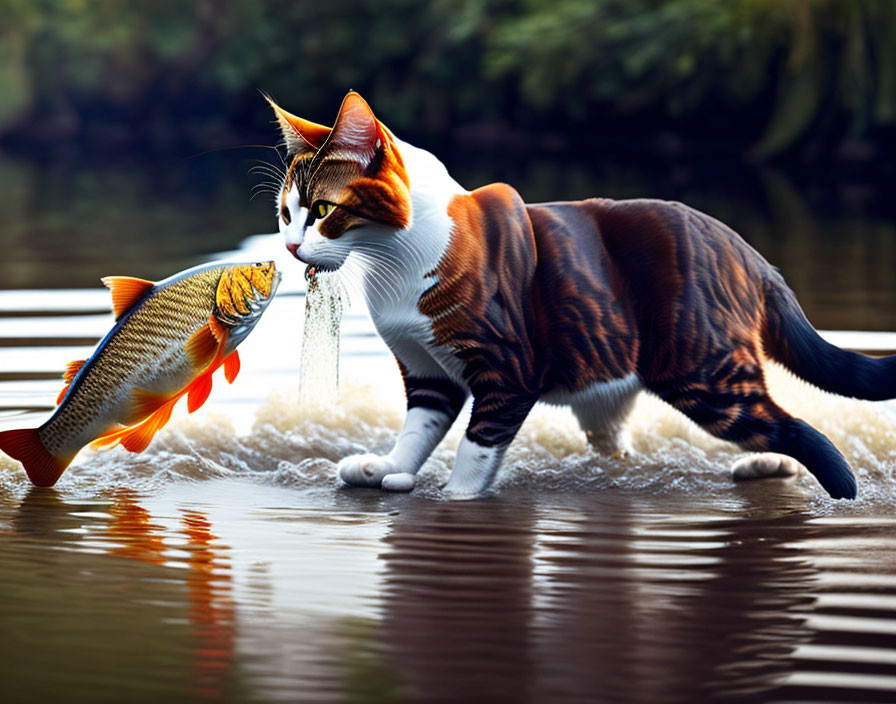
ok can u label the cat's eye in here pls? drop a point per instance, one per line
(284, 213)
(322, 209)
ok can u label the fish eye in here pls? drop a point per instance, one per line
(284, 213)
(322, 209)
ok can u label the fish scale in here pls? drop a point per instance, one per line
(144, 364)
(157, 330)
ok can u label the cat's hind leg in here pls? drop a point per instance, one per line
(726, 396)
(602, 410)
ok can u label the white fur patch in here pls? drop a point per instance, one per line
(294, 232)
(406, 257)
(600, 394)
(475, 467)
(423, 429)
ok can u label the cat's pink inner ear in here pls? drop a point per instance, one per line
(297, 132)
(356, 128)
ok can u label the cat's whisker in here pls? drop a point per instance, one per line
(275, 166)
(270, 169)
(265, 189)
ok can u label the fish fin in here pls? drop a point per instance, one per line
(199, 390)
(72, 369)
(25, 446)
(217, 329)
(107, 439)
(126, 292)
(146, 403)
(137, 438)
(62, 393)
(201, 347)
(231, 366)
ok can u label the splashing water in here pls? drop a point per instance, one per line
(319, 382)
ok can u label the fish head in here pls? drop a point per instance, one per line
(244, 292)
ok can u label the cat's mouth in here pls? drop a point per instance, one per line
(312, 267)
(313, 270)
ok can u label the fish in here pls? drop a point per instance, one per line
(168, 339)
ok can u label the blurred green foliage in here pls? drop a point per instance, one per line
(769, 75)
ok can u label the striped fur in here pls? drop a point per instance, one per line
(583, 303)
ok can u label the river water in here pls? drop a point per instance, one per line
(227, 563)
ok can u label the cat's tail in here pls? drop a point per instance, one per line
(790, 339)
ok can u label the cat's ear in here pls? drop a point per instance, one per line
(298, 134)
(356, 129)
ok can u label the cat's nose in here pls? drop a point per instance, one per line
(293, 249)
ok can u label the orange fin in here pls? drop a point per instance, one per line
(62, 394)
(199, 391)
(108, 439)
(25, 446)
(72, 369)
(126, 292)
(231, 366)
(217, 329)
(146, 403)
(137, 439)
(207, 342)
(201, 347)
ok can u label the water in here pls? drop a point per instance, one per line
(227, 563)
(319, 381)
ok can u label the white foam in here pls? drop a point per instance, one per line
(299, 448)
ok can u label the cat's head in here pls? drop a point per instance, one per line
(344, 184)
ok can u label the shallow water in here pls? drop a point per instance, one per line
(227, 562)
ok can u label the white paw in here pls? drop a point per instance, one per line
(461, 487)
(459, 494)
(365, 470)
(613, 444)
(765, 465)
(399, 481)
(374, 471)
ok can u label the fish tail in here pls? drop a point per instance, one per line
(25, 445)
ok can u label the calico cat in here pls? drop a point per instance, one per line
(581, 303)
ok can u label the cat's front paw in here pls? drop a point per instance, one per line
(374, 471)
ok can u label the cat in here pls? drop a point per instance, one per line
(584, 303)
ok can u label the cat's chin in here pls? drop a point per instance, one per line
(314, 269)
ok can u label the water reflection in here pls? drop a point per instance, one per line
(212, 609)
(612, 596)
(617, 602)
(131, 532)
(457, 601)
(98, 622)
(67, 224)
(208, 581)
